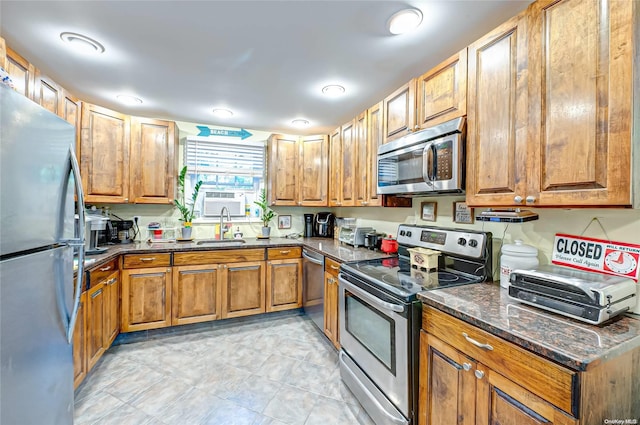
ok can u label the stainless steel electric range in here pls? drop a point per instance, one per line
(380, 315)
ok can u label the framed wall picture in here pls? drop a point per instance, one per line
(462, 213)
(429, 211)
(284, 222)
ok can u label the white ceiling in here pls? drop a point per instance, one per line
(265, 60)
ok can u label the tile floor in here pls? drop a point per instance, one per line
(269, 370)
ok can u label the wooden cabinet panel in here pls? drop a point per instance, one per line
(335, 168)
(284, 284)
(331, 308)
(3, 53)
(399, 112)
(146, 296)
(21, 71)
(152, 171)
(104, 155)
(348, 183)
(95, 325)
(152, 259)
(111, 309)
(447, 384)
(497, 125)
(581, 102)
(70, 111)
(79, 343)
(283, 160)
(360, 164)
(196, 294)
(243, 290)
(375, 138)
(442, 91)
(313, 160)
(99, 274)
(284, 252)
(48, 94)
(219, 256)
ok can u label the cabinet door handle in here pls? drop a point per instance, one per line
(517, 199)
(95, 294)
(479, 374)
(466, 366)
(285, 252)
(111, 281)
(147, 258)
(476, 343)
(104, 269)
(530, 199)
(246, 268)
(334, 267)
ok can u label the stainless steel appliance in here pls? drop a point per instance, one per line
(94, 224)
(354, 235)
(38, 237)
(589, 297)
(308, 225)
(123, 230)
(313, 286)
(379, 316)
(427, 162)
(323, 225)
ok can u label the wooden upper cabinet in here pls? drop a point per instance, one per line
(360, 165)
(400, 112)
(48, 94)
(335, 168)
(581, 63)
(283, 157)
(313, 168)
(441, 93)
(497, 125)
(375, 138)
(70, 111)
(3, 53)
(21, 71)
(348, 164)
(152, 171)
(104, 155)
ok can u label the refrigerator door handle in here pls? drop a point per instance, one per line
(76, 243)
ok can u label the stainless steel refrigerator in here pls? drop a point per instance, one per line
(41, 229)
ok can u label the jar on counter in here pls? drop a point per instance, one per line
(516, 256)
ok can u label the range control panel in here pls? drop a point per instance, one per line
(451, 241)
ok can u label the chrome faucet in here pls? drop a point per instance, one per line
(220, 231)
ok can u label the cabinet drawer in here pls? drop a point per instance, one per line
(220, 256)
(331, 266)
(284, 252)
(99, 273)
(152, 259)
(554, 383)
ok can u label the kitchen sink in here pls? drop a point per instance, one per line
(221, 242)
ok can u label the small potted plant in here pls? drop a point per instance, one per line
(185, 207)
(266, 213)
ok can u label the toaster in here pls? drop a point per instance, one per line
(353, 235)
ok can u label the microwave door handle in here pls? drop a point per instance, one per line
(427, 157)
(434, 169)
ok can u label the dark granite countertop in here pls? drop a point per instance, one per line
(329, 247)
(569, 342)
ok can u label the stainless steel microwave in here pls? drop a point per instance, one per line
(427, 162)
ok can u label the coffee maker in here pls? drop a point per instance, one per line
(123, 231)
(323, 225)
(93, 225)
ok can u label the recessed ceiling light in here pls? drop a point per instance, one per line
(300, 122)
(129, 100)
(82, 43)
(222, 113)
(333, 90)
(405, 21)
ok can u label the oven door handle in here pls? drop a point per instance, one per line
(398, 308)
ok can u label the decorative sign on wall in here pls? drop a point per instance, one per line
(206, 132)
(462, 213)
(598, 255)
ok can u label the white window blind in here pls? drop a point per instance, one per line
(205, 156)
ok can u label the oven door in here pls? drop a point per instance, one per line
(443, 164)
(374, 334)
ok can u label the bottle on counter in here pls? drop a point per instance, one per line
(516, 256)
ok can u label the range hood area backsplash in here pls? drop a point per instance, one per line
(622, 225)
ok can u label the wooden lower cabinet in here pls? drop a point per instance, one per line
(79, 343)
(196, 295)
(95, 324)
(111, 309)
(284, 278)
(146, 298)
(331, 300)
(243, 289)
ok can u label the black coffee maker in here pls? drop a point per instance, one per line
(323, 225)
(308, 225)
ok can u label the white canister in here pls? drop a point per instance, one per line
(516, 256)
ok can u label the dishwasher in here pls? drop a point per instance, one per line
(313, 286)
